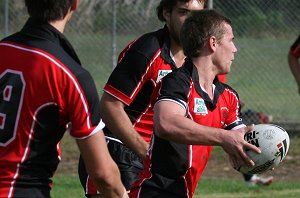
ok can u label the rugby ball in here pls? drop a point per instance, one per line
(273, 141)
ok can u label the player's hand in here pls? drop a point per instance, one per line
(235, 146)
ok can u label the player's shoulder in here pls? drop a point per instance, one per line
(179, 77)
(229, 90)
(183, 75)
(149, 43)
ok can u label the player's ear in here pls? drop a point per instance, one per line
(212, 42)
(166, 14)
(74, 5)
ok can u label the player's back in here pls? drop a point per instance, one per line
(36, 87)
(29, 123)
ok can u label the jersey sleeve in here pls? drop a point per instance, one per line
(175, 88)
(83, 107)
(295, 48)
(128, 77)
(233, 119)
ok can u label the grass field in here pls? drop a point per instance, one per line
(226, 188)
(218, 180)
(262, 77)
(68, 187)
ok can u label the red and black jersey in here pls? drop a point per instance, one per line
(295, 48)
(43, 88)
(173, 169)
(142, 64)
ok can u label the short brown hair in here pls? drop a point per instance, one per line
(199, 27)
(48, 10)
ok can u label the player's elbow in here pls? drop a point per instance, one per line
(163, 128)
(105, 178)
(109, 106)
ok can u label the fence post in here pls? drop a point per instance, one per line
(114, 30)
(210, 4)
(6, 15)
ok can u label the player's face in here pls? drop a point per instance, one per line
(176, 17)
(225, 51)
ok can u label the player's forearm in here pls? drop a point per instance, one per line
(122, 127)
(100, 167)
(185, 131)
(111, 189)
(134, 141)
(118, 122)
(170, 123)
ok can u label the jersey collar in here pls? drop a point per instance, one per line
(46, 31)
(165, 50)
(219, 87)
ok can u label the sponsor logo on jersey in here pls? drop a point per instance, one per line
(199, 106)
(224, 114)
(161, 74)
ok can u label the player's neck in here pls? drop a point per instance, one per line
(176, 52)
(61, 24)
(205, 73)
(177, 56)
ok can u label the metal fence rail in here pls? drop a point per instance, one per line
(264, 30)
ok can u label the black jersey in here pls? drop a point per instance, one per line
(174, 169)
(142, 64)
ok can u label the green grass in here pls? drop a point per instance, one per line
(95, 53)
(68, 186)
(215, 185)
(226, 188)
(262, 77)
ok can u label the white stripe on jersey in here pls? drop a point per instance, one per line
(61, 67)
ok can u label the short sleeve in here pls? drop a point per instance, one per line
(175, 87)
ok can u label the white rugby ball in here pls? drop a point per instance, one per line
(273, 141)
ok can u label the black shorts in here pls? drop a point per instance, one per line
(128, 162)
(42, 192)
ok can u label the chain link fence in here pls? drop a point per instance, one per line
(264, 31)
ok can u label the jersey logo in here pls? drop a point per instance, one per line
(200, 106)
(161, 74)
(224, 113)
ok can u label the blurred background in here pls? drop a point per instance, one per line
(264, 31)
